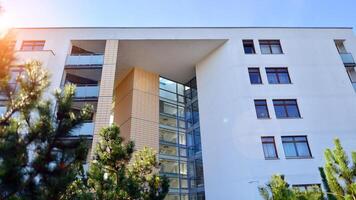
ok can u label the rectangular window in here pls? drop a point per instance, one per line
(269, 147)
(255, 76)
(261, 109)
(35, 45)
(249, 47)
(296, 147)
(286, 108)
(270, 47)
(278, 76)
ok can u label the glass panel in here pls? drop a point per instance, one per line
(280, 112)
(182, 139)
(87, 91)
(183, 168)
(262, 112)
(276, 49)
(168, 108)
(85, 129)
(255, 78)
(167, 121)
(284, 78)
(172, 197)
(303, 149)
(168, 95)
(167, 135)
(289, 150)
(265, 49)
(168, 85)
(169, 166)
(184, 183)
(85, 60)
(293, 111)
(272, 78)
(168, 150)
(269, 150)
(173, 182)
(180, 89)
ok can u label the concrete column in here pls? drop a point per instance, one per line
(137, 108)
(105, 100)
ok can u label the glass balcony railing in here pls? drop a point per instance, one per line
(88, 60)
(87, 129)
(347, 58)
(87, 91)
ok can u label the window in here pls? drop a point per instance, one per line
(340, 46)
(269, 147)
(261, 109)
(33, 45)
(286, 108)
(249, 47)
(255, 76)
(278, 76)
(270, 47)
(305, 187)
(296, 147)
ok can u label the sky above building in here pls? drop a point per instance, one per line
(175, 13)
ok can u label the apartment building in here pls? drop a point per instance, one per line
(225, 108)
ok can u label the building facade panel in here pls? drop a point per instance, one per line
(320, 65)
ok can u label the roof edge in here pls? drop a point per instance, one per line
(228, 27)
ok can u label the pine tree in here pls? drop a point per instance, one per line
(117, 172)
(278, 189)
(325, 184)
(35, 161)
(340, 175)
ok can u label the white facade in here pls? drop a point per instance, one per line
(234, 163)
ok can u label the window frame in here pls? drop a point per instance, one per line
(249, 42)
(285, 108)
(269, 43)
(274, 145)
(257, 71)
(33, 44)
(294, 142)
(266, 106)
(277, 72)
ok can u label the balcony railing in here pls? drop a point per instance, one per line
(87, 129)
(347, 58)
(86, 91)
(85, 60)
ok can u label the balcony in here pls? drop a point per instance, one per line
(347, 59)
(87, 91)
(87, 129)
(84, 60)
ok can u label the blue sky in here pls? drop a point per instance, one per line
(43, 13)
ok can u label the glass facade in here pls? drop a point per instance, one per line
(179, 140)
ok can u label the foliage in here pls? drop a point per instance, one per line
(329, 195)
(340, 174)
(278, 189)
(119, 173)
(35, 161)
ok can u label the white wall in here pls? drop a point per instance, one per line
(234, 163)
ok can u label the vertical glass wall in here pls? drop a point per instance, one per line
(180, 149)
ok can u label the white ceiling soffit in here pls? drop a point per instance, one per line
(172, 59)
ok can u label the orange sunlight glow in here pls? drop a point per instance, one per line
(5, 23)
